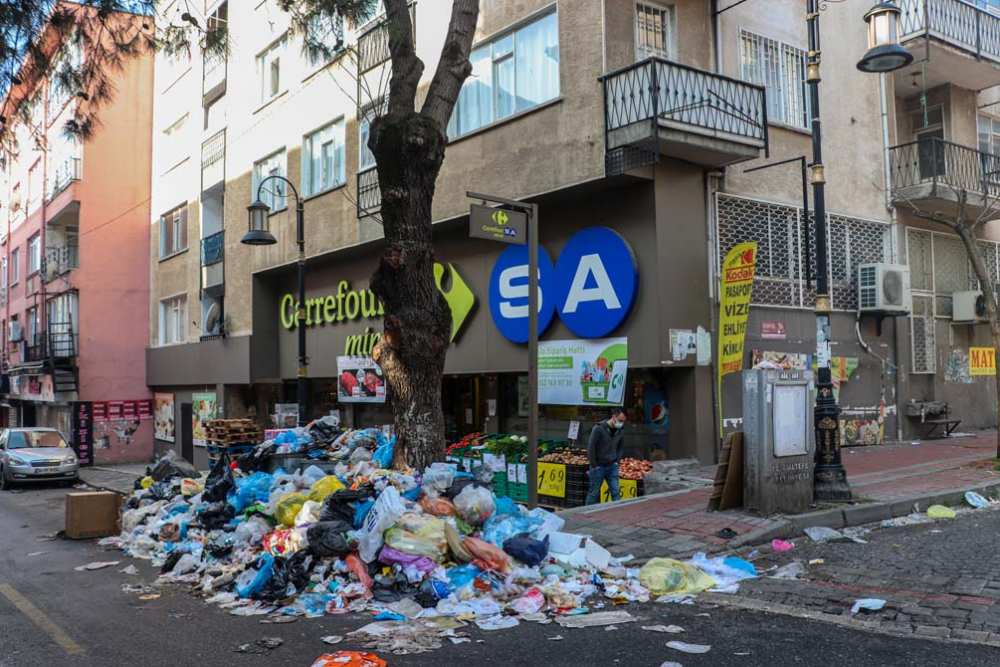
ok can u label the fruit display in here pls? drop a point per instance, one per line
(634, 468)
(566, 456)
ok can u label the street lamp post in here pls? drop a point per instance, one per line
(259, 233)
(884, 55)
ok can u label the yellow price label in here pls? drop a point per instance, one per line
(552, 479)
(629, 488)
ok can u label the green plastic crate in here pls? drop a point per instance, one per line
(500, 484)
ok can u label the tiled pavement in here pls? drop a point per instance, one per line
(678, 524)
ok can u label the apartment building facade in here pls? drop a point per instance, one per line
(559, 111)
(73, 261)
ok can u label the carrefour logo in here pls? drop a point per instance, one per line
(593, 286)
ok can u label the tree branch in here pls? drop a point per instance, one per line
(407, 68)
(454, 67)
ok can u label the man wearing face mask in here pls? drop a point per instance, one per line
(607, 443)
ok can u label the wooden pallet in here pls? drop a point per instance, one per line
(227, 432)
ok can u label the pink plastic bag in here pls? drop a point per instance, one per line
(530, 602)
(777, 546)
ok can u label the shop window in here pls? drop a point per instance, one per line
(514, 72)
(781, 69)
(323, 159)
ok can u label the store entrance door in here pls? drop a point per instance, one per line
(186, 434)
(462, 402)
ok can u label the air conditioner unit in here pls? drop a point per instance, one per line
(884, 289)
(16, 332)
(968, 306)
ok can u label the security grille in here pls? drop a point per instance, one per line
(939, 266)
(922, 334)
(781, 68)
(778, 230)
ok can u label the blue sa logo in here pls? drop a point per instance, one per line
(593, 286)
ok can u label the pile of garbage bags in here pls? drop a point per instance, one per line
(349, 534)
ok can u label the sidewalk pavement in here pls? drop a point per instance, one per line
(119, 478)
(887, 479)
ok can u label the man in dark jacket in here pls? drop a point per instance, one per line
(607, 442)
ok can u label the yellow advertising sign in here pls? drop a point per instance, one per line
(734, 308)
(628, 488)
(982, 361)
(552, 479)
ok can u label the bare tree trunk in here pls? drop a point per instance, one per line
(409, 148)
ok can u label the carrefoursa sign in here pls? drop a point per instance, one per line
(350, 305)
(592, 286)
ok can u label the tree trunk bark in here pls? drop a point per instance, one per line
(409, 149)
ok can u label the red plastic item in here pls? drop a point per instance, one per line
(359, 570)
(349, 659)
(487, 556)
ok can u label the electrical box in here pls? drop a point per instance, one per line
(778, 436)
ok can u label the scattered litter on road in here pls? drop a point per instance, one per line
(671, 629)
(867, 604)
(671, 664)
(975, 500)
(610, 628)
(557, 638)
(497, 622)
(912, 519)
(332, 639)
(726, 533)
(49, 537)
(349, 659)
(790, 571)
(685, 598)
(151, 596)
(940, 512)
(594, 620)
(753, 554)
(95, 566)
(777, 546)
(689, 648)
(280, 620)
(130, 570)
(825, 534)
(37, 553)
(261, 646)
(817, 561)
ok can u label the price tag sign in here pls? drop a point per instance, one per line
(629, 489)
(574, 430)
(512, 472)
(494, 462)
(552, 479)
(522, 473)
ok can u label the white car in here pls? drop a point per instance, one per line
(35, 455)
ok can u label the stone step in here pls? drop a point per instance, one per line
(676, 466)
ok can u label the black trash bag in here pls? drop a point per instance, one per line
(393, 588)
(216, 515)
(171, 466)
(329, 538)
(219, 550)
(430, 593)
(527, 549)
(290, 576)
(254, 460)
(339, 505)
(171, 561)
(462, 482)
(219, 482)
(160, 491)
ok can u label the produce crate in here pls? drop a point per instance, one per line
(500, 484)
(517, 492)
(553, 501)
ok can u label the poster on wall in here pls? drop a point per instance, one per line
(83, 432)
(359, 380)
(204, 406)
(164, 417)
(582, 372)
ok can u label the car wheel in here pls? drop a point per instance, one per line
(5, 484)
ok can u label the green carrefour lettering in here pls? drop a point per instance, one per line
(288, 311)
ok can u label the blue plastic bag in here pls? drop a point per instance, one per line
(462, 575)
(361, 512)
(256, 577)
(526, 549)
(500, 528)
(386, 450)
(506, 506)
(413, 495)
(252, 489)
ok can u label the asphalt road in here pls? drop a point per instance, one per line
(52, 615)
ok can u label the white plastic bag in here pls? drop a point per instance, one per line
(382, 516)
(309, 514)
(475, 505)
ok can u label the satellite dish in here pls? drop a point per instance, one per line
(213, 318)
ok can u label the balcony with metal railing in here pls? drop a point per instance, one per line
(213, 255)
(952, 41)
(59, 261)
(369, 193)
(932, 174)
(657, 107)
(63, 174)
(213, 160)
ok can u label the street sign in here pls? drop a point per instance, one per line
(494, 224)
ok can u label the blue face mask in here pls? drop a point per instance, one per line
(619, 424)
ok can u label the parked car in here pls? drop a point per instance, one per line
(35, 455)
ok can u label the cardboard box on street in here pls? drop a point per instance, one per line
(92, 514)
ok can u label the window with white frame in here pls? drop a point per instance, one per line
(989, 134)
(173, 231)
(31, 317)
(513, 72)
(273, 193)
(15, 266)
(654, 30)
(3, 272)
(324, 39)
(173, 319)
(366, 159)
(34, 254)
(323, 159)
(269, 65)
(781, 69)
